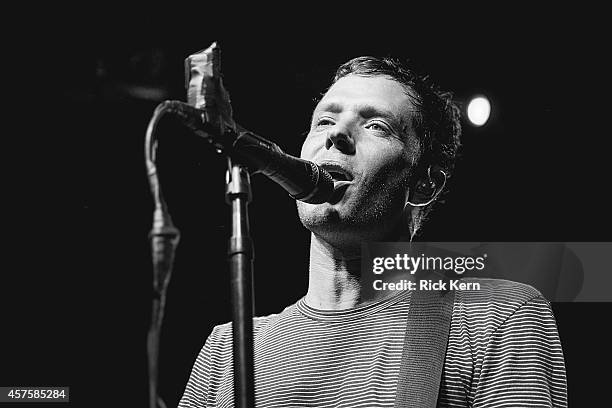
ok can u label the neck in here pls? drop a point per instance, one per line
(335, 279)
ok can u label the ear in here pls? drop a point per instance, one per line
(427, 188)
(420, 195)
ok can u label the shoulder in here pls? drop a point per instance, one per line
(491, 303)
(497, 291)
(500, 315)
(221, 335)
(503, 295)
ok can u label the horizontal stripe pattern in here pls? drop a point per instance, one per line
(503, 351)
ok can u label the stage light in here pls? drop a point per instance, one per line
(478, 110)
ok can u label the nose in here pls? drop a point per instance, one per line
(340, 138)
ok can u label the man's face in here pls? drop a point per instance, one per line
(362, 133)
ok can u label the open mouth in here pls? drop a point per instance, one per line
(337, 176)
(342, 179)
(337, 172)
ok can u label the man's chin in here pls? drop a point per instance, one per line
(318, 215)
(338, 218)
(346, 221)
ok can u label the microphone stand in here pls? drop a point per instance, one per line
(240, 258)
(165, 238)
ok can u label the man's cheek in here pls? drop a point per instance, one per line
(390, 171)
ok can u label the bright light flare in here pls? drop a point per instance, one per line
(478, 110)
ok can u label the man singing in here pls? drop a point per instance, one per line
(389, 138)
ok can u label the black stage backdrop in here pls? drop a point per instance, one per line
(76, 297)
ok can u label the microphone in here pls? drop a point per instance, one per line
(302, 179)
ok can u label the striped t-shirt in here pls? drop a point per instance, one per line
(503, 350)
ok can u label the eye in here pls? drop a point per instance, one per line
(324, 122)
(377, 126)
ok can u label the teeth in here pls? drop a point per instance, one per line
(338, 184)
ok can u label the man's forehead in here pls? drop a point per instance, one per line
(367, 92)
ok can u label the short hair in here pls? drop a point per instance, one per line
(438, 118)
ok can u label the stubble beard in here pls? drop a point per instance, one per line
(374, 215)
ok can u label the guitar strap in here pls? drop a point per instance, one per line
(427, 331)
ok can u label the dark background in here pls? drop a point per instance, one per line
(76, 297)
